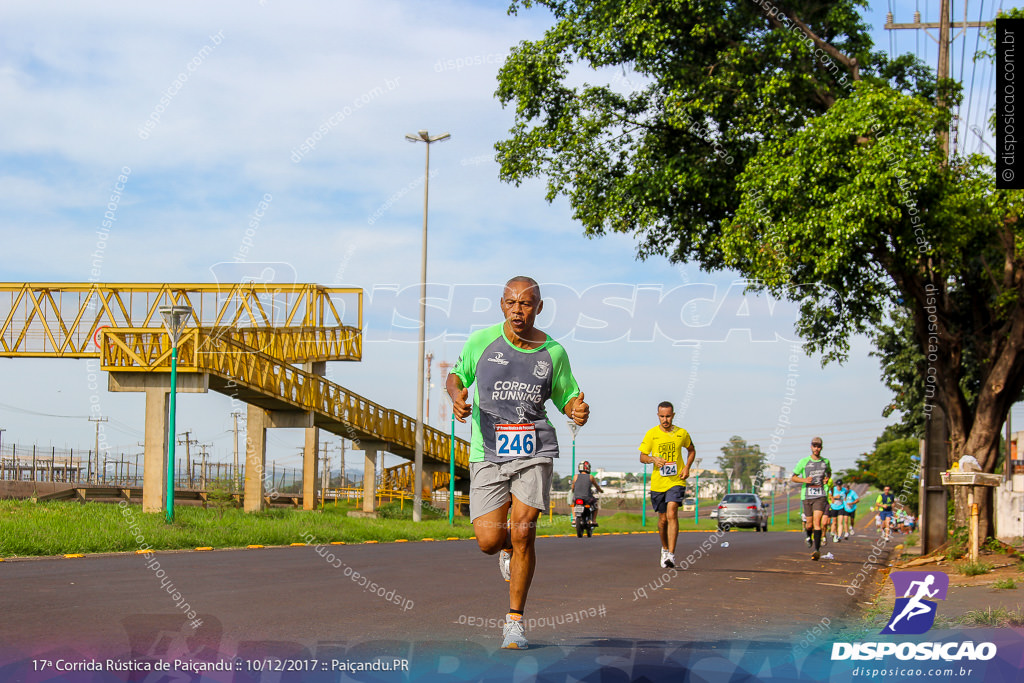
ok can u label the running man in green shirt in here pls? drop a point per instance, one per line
(514, 369)
(812, 472)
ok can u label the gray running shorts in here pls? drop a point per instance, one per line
(491, 484)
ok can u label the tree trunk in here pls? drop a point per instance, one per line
(979, 438)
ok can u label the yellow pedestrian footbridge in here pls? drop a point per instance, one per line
(245, 342)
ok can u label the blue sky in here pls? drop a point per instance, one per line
(93, 91)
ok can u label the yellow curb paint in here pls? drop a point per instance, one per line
(337, 542)
(370, 541)
(452, 538)
(205, 547)
(1, 559)
(142, 552)
(75, 555)
(297, 544)
(401, 540)
(253, 546)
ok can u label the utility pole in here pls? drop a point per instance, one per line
(325, 477)
(188, 454)
(96, 473)
(202, 472)
(344, 479)
(143, 446)
(237, 480)
(945, 25)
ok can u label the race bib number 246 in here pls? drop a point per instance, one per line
(515, 440)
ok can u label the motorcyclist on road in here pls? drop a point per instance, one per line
(582, 485)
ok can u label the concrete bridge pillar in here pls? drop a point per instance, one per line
(311, 454)
(427, 483)
(154, 463)
(157, 387)
(255, 457)
(370, 450)
(257, 423)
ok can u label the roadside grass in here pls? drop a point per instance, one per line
(974, 568)
(62, 527)
(874, 617)
(999, 617)
(1005, 584)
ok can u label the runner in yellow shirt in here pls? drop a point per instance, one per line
(663, 447)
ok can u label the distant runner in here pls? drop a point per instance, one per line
(850, 509)
(837, 505)
(663, 447)
(812, 471)
(884, 505)
(514, 368)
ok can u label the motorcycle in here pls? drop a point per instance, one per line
(583, 518)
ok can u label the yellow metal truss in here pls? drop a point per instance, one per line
(246, 334)
(295, 322)
(400, 478)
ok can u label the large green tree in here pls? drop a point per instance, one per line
(770, 139)
(894, 463)
(746, 461)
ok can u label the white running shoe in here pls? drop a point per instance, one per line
(505, 564)
(670, 560)
(664, 554)
(514, 634)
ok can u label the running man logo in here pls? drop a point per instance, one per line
(914, 613)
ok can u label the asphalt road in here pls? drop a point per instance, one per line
(598, 597)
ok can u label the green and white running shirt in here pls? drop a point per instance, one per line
(817, 469)
(510, 388)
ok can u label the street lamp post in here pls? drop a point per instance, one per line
(174, 320)
(696, 494)
(417, 499)
(573, 427)
(643, 500)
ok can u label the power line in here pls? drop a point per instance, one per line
(34, 412)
